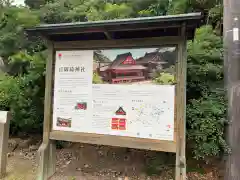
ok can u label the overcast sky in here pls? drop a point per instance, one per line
(19, 2)
(136, 53)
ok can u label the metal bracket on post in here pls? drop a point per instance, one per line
(4, 135)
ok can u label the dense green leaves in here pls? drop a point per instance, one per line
(23, 94)
(12, 36)
(206, 122)
(36, 4)
(206, 107)
(164, 79)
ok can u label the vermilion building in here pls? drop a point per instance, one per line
(124, 69)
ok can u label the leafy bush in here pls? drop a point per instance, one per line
(8, 86)
(164, 78)
(205, 63)
(206, 121)
(206, 106)
(97, 79)
(23, 95)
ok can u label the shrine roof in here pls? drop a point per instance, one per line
(119, 59)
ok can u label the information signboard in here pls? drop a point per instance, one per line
(117, 83)
(124, 92)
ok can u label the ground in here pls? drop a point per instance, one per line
(91, 162)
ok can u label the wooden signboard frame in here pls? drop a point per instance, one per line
(47, 149)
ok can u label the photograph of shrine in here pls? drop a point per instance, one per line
(63, 122)
(121, 66)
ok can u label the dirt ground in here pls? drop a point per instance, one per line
(91, 162)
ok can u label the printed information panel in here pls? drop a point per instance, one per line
(124, 92)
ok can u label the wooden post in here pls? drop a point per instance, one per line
(4, 134)
(47, 150)
(232, 80)
(180, 172)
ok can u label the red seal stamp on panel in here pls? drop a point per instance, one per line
(118, 124)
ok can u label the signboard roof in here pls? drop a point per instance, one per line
(120, 28)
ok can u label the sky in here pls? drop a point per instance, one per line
(136, 53)
(19, 2)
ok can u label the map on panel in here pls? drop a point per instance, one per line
(143, 111)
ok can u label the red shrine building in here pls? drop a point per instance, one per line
(124, 69)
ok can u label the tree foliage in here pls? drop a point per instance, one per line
(164, 79)
(23, 94)
(22, 85)
(36, 4)
(12, 35)
(206, 108)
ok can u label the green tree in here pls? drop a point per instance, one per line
(206, 104)
(12, 35)
(205, 63)
(114, 11)
(36, 4)
(97, 79)
(4, 3)
(158, 8)
(164, 79)
(23, 95)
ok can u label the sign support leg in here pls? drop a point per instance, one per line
(47, 151)
(47, 160)
(180, 172)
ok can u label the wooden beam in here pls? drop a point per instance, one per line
(108, 35)
(119, 141)
(123, 43)
(112, 29)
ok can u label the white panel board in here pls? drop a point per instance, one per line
(142, 110)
